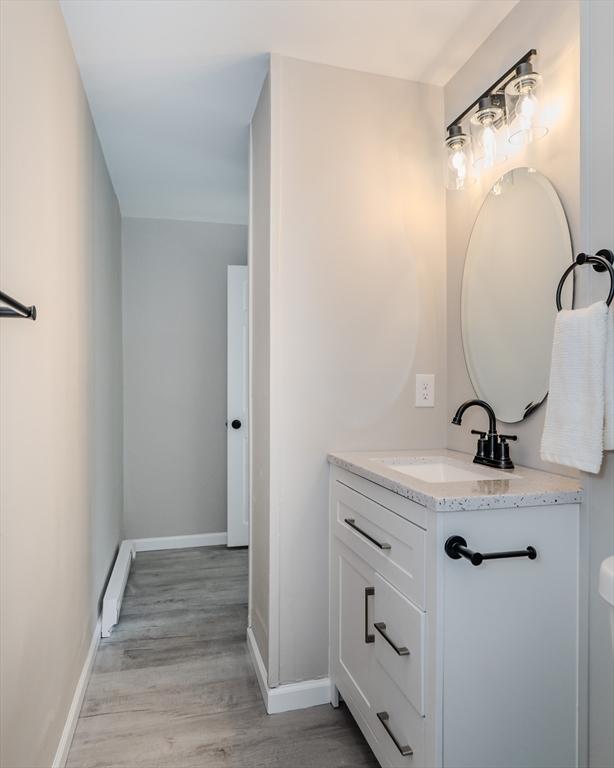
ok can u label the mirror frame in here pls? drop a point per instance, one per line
(570, 290)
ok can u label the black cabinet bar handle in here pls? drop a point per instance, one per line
(404, 749)
(369, 592)
(381, 628)
(352, 523)
(456, 547)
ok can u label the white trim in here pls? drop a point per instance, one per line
(258, 664)
(250, 355)
(307, 693)
(188, 220)
(61, 755)
(276, 415)
(180, 542)
(114, 593)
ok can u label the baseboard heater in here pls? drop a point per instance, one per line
(114, 594)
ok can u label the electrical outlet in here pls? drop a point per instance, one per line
(425, 390)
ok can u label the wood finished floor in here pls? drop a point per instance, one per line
(174, 686)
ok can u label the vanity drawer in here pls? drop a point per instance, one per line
(390, 544)
(404, 507)
(396, 724)
(401, 655)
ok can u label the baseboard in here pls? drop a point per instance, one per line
(180, 542)
(114, 593)
(258, 664)
(61, 755)
(307, 693)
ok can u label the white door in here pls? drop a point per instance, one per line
(236, 414)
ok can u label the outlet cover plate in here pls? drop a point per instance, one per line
(425, 390)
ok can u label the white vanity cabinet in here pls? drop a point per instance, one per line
(443, 663)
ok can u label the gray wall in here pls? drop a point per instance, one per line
(60, 381)
(597, 27)
(107, 491)
(174, 300)
(583, 114)
(555, 32)
(260, 330)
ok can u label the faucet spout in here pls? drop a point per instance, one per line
(492, 419)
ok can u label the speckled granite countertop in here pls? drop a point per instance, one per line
(521, 487)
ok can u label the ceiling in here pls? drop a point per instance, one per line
(172, 84)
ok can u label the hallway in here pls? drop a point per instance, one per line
(174, 685)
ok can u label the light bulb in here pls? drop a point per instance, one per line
(527, 109)
(489, 143)
(458, 164)
(458, 159)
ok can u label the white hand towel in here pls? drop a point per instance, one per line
(575, 412)
(608, 433)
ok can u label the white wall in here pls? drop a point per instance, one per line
(260, 331)
(174, 300)
(357, 302)
(60, 380)
(552, 27)
(597, 67)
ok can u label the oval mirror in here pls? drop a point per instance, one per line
(520, 245)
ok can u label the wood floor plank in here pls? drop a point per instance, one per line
(173, 687)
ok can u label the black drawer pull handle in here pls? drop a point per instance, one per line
(369, 592)
(381, 628)
(456, 547)
(352, 523)
(404, 749)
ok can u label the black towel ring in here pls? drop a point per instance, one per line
(601, 261)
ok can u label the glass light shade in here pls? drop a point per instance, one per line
(459, 159)
(523, 103)
(488, 134)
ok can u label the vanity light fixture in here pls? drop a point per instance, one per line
(506, 113)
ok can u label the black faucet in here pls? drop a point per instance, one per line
(493, 450)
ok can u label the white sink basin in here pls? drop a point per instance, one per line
(440, 469)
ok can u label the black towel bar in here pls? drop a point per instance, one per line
(601, 261)
(15, 308)
(456, 547)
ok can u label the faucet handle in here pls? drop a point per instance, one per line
(482, 443)
(502, 451)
